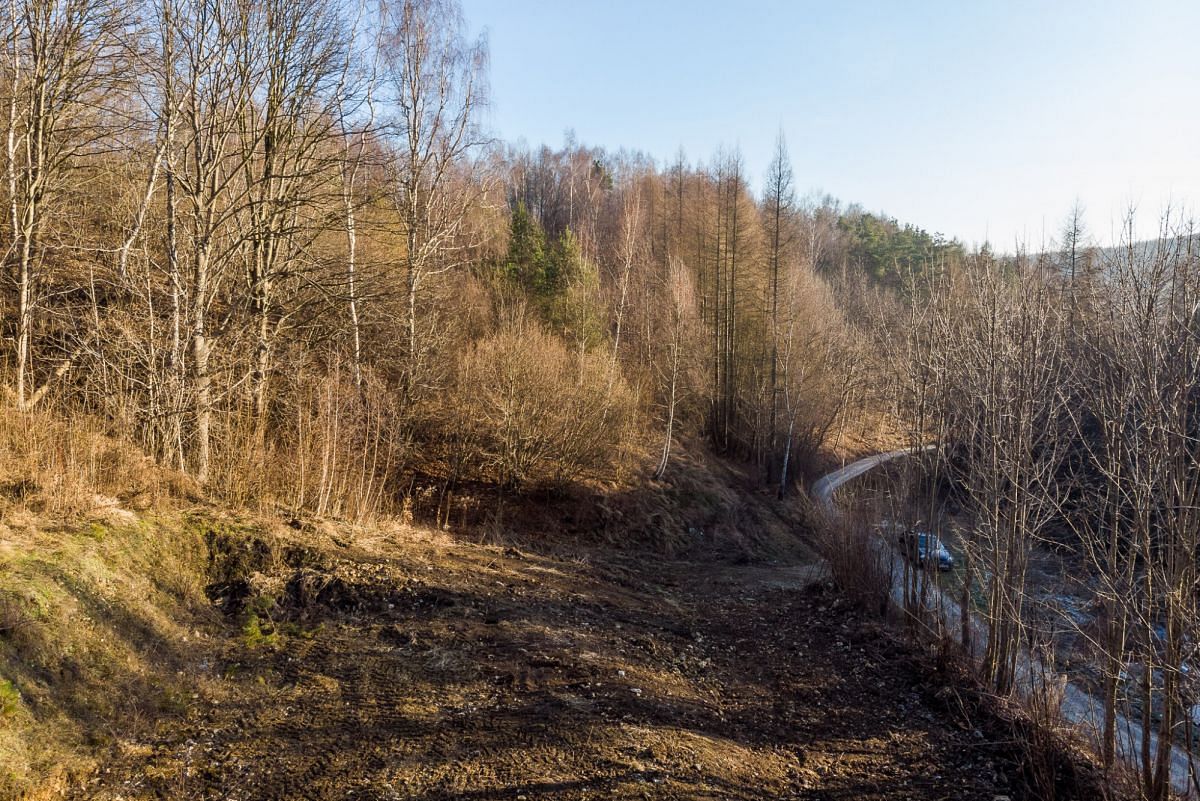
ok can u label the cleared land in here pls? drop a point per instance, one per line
(409, 665)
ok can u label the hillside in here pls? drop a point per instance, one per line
(355, 443)
(193, 656)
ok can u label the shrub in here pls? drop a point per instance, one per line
(540, 411)
(330, 448)
(256, 633)
(858, 564)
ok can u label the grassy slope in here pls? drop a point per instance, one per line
(106, 630)
(101, 623)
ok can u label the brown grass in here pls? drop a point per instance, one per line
(96, 620)
(860, 569)
(67, 470)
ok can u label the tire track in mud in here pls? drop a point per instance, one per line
(493, 678)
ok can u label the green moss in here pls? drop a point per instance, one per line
(298, 631)
(256, 634)
(95, 531)
(10, 698)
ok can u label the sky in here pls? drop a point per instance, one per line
(977, 119)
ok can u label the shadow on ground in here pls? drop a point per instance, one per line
(431, 669)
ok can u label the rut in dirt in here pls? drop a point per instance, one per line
(478, 673)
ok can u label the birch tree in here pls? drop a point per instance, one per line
(356, 112)
(205, 170)
(292, 60)
(436, 79)
(62, 59)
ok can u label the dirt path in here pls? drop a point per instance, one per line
(433, 670)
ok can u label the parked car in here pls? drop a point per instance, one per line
(921, 546)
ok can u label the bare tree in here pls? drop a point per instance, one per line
(682, 327)
(1140, 533)
(356, 112)
(996, 378)
(725, 276)
(291, 62)
(437, 82)
(62, 59)
(779, 227)
(817, 368)
(204, 68)
(629, 253)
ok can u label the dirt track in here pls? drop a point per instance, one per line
(435, 670)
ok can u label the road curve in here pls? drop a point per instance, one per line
(1078, 706)
(827, 485)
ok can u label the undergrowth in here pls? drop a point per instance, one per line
(97, 621)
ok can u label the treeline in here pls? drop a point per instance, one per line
(890, 253)
(1064, 389)
(271, 243)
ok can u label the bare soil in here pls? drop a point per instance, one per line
(412, 666)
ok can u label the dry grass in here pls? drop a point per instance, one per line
(68, 470)
(91, 588)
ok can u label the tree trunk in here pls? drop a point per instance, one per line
(669, 433)
(201, 380)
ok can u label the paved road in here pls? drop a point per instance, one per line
(1079, 707)
(827, 485)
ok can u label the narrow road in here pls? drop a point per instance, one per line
(1079, 707)
(827, 485)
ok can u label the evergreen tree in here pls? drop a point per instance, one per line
(526, 260)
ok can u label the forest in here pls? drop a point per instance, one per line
(293, 267)
(267, 254)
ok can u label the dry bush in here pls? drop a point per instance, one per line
(330, 450)
(540, 412)
(65, 469)
(346, 443)
(859, 564)
(1047, 730)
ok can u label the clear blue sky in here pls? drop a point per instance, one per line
(969, 118)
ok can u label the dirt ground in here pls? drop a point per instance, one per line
(416, 667)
